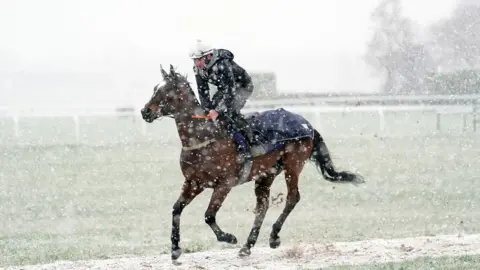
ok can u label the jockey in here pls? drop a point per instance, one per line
(234, 87)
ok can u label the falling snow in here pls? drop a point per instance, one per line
(99, 188)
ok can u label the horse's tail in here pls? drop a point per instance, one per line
(321, 156)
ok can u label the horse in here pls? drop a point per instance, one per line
(210, 159)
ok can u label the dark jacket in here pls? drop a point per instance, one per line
(226, 75)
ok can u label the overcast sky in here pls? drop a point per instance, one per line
(311, 45)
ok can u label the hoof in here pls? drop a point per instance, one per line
(176, 253)
(275, 242)
(244, 251)
(358, 181)
(228, 238)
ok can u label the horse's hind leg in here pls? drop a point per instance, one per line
(294, 160)
(218, 197)
(262, 192)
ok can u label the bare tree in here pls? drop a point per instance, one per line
(389, 50)
(456, 40)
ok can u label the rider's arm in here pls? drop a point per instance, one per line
(226, 87)
(203, 91)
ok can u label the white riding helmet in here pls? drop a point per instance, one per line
(200, 49)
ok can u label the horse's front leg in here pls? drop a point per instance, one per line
(218, 197)
(189, 191)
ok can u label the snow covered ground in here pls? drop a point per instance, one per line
(64, 203)
(290, 257)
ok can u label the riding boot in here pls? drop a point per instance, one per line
(244, 145)
(243, 127)
(238, 126)
(234, 129)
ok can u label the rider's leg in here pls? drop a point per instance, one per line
(235, 122)
(239, 102)
(230, 122)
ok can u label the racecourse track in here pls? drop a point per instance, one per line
(106, 201)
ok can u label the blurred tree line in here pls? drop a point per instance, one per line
(443, 59)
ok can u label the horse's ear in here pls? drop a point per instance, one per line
(172, 71)
(164, 74)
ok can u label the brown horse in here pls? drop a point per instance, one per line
(209, 159)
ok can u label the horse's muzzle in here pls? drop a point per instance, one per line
(147, 115)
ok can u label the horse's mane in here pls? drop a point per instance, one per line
(179, 78)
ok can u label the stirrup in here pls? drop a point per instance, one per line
(247, 152)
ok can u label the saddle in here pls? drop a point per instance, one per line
(259, 133)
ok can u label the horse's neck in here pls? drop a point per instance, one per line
(196, 131)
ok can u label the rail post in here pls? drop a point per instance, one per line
(382, 120)
(77, 129)
(16, 128)
(439, 118)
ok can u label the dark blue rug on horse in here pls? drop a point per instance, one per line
(273, 127)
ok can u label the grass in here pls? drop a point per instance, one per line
(466, 262)
(64, 202)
